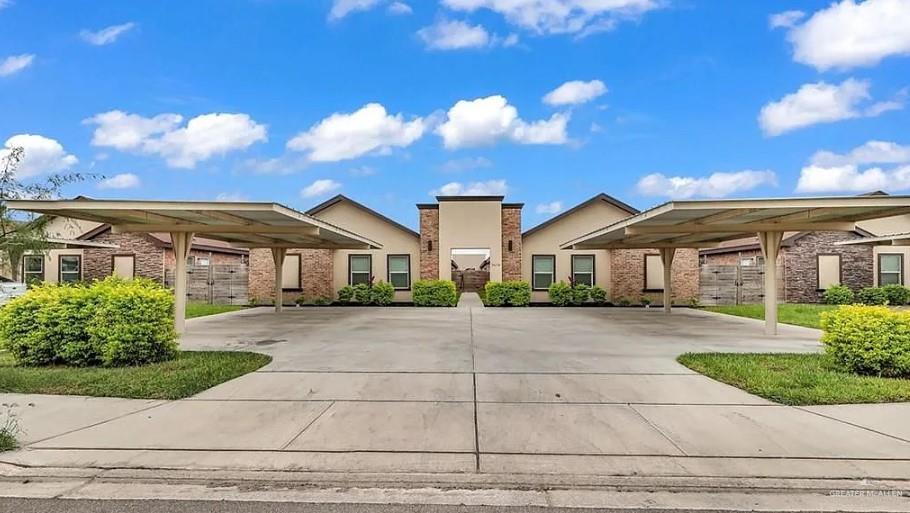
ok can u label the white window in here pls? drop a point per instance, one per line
(125, 266)
(543, 268)
(583, 269)
(70, 268)
(400, 271)
(654, 273)
(360, 269)
(828, 271)
(290, 272)
(890, 269)
(203, 261)
(33, 268)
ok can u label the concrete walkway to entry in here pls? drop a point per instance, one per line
(496, 391)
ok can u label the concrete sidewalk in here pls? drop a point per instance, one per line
(474, 391)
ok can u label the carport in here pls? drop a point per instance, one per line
(706, 223)
(242, 224)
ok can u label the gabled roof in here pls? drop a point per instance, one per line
(163, 240)
(342, 198)
(600, 197)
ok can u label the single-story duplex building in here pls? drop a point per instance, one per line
(456, 227)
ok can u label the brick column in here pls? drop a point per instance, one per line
(429, 242)
(317, 275)
(511, 233)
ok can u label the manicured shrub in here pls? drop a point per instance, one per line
(362, 294)
(435, 293)
(322, 301)
(382, 294)
(507, 293)
(838, 295)
(111, 322)
(580, 294)
(645, 301)
(346, 294)
(898, 295)
(872, 296)
(560, 294)
(598, 295)
(871, 340)
(624, 301)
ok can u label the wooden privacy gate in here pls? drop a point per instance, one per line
(223, 284)
(731, 284)
(471, 280)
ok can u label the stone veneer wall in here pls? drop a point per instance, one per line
(627, 268)
(733, 258)
(511, 230)
(429, 234)
(316, 275)
(97, 263)
(801, 264)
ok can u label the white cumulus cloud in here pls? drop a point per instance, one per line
(487, 188)
(320, 188)
(848, 172)
(785, 19)
(341, 8)
(399, 8)
(15, 63)
(821, 102)
(40, 155)
(485, 120)
(575, 92)
(848, 34)
(455, 35)
(120, 181)
(716, 185)
(579, 17)
(553, 207)
(202, 138)
(106, 35)
(344, 136)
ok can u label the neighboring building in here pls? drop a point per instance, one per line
(473, 232)
(126, 255)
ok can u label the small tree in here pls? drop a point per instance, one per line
(20, 234)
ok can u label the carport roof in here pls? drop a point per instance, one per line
(242, 224)
(705, 223)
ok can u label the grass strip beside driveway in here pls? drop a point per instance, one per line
(203, 309)
(796, 379)
(188, 374)
(808, 315)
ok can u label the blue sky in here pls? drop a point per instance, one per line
(389, 102)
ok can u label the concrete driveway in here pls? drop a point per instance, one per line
(473, 389)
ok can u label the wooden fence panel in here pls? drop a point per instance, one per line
(732, 284)
(219, 284)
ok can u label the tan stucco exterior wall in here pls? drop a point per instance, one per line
(470, 224)
(394, 240)
(63, 228)
(888, 226)
(547, 240)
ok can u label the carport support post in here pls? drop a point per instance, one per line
(182, 242)
(278, 255)
(770, 247)
(666, 259)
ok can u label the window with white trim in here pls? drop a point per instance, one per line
(543, 270)
(654, 273)
(400, 271)
(890, 269)
(583, 269)
(70, 268)
(32, 268)
(828, 271)
(290, 272)
(360, 268)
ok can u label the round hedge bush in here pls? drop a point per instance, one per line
(838, 295)
(871, 340)
(112, 322)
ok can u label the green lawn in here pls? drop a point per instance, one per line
(787, 313)
(796, 379)
(203, 309)
(190, 373)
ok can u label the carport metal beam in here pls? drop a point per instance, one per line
(666, 258)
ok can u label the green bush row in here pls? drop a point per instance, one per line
(563, 294)
(895, 295)
(380, 293)
(112, 322)
(508, 293)
(871, 340)
(434, 293)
